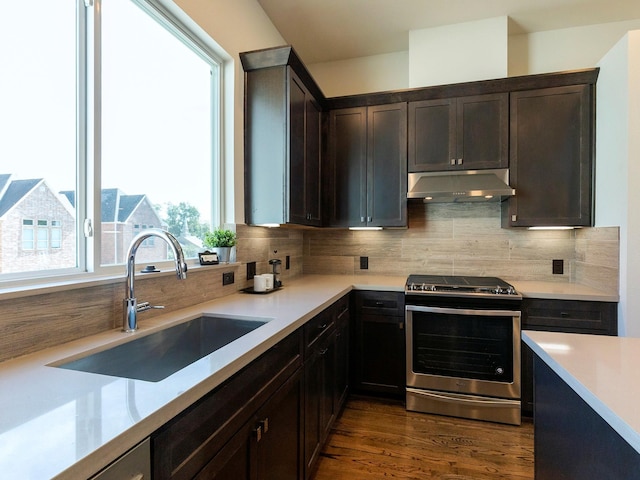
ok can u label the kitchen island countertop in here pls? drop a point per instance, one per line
(602, 370)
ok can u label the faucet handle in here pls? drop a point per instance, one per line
(144, 306)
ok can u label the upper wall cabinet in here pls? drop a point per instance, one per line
(552, 160)
(368, 173)
(283, 123)
(465, 133)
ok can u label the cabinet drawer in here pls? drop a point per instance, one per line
(380, 303)
(184, 445)
(570, 316)
(318, 327)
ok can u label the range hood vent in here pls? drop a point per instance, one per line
(467, 186)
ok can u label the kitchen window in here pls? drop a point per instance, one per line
(111, 113)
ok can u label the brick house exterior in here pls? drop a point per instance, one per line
(123, 217)
(38, 232)
(37, 227)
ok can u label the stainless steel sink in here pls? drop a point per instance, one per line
(156, 356)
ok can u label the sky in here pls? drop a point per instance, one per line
(152, 143)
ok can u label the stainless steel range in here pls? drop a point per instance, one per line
(463, 347)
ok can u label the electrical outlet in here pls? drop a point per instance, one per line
(558, 267)
(251, 270)
(287, 262)
(364, 263)
(227, 278)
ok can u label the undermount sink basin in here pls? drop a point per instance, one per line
(156, 356)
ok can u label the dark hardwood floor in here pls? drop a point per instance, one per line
(379, 439)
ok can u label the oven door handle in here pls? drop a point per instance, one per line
(462, 311)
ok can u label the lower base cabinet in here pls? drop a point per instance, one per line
(379, 343)
(326, 370)
(270, 420)
(268, 446)
(210, 438)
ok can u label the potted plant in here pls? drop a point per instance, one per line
(220, 241)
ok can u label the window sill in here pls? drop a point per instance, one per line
(19, 290)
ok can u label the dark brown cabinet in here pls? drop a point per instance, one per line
(570, 316)
(551, 159)
(465, 133)
(248, 427)
(325, 376)
(379, 343)
(368, 173)
(283, 132)
(268, 446)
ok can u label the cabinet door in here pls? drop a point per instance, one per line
(348, 152)
(551, 161)
(465, 133)
(482, 131)
(379, 343)
(319, 399)
(432, 135)
(387, 166)
(268, 447)
(279, 445)
(342, 354)
(304, 155)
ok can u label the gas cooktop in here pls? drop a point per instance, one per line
(459, 285)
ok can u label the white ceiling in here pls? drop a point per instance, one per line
(328, 30)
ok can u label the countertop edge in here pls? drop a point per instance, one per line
(631, 436)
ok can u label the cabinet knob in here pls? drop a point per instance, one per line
(459, 161)
(452, 161)
(265, 425)
(258, 433)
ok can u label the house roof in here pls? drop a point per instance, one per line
(115, 205)
(14, 191)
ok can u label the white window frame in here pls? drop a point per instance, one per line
(88, 182)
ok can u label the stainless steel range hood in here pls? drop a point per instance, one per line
(465, 186)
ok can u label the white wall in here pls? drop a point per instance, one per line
(618, 167)
(543, 52)
(458, 53)
(237, 26)
(376, 73)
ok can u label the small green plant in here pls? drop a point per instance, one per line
(219, 238)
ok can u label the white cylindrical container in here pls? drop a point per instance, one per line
(269, 279)
(259, 283)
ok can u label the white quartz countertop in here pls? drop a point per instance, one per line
(561, 291)
(66, 424)
(602, 370)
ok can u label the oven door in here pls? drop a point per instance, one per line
(466, 351)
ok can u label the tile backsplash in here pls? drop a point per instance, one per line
(448, 239)
(466, 239)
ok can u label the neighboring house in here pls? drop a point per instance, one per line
(123, 217)
(37, 227)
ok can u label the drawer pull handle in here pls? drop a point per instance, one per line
(324, 351)
(564, 314)
(265, 425)
(322, 327)
(258, 433)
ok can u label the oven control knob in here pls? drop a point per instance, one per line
(499, 370)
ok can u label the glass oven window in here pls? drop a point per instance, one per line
(464, 346)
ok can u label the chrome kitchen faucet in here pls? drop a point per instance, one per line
(131, 305)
